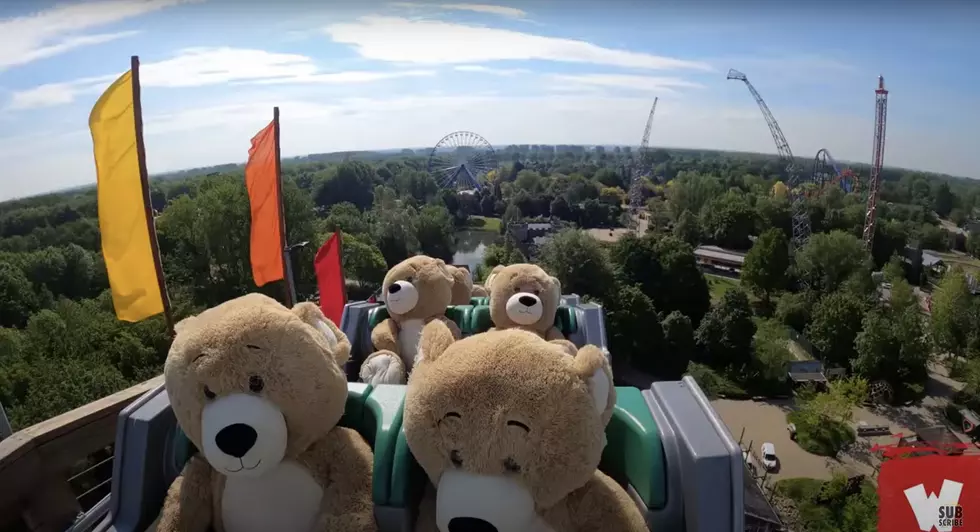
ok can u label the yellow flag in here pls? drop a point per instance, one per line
(126, 244)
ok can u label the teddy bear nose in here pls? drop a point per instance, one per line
(394, 288)
(470, 524)
(236, 440)
(527, 301)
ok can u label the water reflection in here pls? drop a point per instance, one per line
(471, 246)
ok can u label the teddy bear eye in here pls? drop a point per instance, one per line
(255, 383)
(511, 466)
(455, 458)
(409, 280)
(208, 393)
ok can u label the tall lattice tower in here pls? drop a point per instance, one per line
(881, 112)
(636, 172)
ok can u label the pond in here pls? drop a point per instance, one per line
(471, 246)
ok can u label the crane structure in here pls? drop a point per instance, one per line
(801, 218)
(877, 158)
(636, 174)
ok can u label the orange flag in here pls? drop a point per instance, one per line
(262, 181)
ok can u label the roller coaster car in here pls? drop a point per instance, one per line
(665, 445)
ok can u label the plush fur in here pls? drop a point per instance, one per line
(524, 296)
(510, 430)
(462, 285)
(416, 291)
(259, 390)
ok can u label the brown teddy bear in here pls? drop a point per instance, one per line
(510, 430)
(259, 389)
(524, 296)
(462, 285)
(416, 291)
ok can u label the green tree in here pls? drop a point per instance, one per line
(828, 259)
(628, 316)
(687, 228)
(17, 299)
(795, 310)
(580, 263)
(363, 261)
(351, 182)
(728, 220)
(835, 324)
(725, 334)
(691, 191)
(950, 322)
(436, 233)
(766, 264)
(679, 345)
(892, 347)
(943, 201)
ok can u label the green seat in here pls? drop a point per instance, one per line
(476, 301)
(565, 320)
(634, 454)
(458, 313)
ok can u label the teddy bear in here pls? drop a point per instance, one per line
(524, 296)
(462, 285)
(510, 430)
(259, 389)
(416, 291)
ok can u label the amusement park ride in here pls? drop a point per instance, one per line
(825, 169)
(666, 444)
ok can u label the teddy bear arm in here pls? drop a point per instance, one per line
(188, 505)
(426, 520)
(602, 504)
(478, 291)
(453, 327)
(384, 336)
(343, 462)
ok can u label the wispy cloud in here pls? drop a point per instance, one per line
(624, 81)
(494, 71)
(55, 31)
(503, 11)
(402, 40)
(195, 67)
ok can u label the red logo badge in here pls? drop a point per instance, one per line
(924, 489)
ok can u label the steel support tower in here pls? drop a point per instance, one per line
(877, 158)
(801, 218)
(637, 172)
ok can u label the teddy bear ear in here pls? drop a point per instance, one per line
(557, 283)
(591, 366)
(446, 269)
(184, 324)
(336, 339)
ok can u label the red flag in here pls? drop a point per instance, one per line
(262, 181)
(330, 278)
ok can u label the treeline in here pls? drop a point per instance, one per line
(61, 346)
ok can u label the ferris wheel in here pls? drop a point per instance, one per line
(462, 160)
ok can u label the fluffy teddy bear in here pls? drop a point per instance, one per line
(510, 431)
(462, 285)
(524, 296)
(259, 389)
(416, 291)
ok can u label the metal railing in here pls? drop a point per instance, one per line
(53, 472)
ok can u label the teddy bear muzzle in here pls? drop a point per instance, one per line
(467, 502)
(401, 297)
(524, 308)
(243, 434)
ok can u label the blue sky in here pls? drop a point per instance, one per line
(377, 75)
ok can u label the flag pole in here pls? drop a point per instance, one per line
(287, 260)
(340, 252)
(145, 182)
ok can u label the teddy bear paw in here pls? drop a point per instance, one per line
(383, 367)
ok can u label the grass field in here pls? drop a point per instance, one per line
(483, 223)
(962, 260)
(718, 285)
